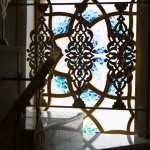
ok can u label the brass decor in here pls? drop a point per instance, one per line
(80, 55)
(120, 56)
(42, 38)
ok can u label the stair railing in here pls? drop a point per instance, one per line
(14, 114)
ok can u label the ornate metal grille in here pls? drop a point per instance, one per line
(43, 36)
(84, 38)
(120, 56)
(80, 54)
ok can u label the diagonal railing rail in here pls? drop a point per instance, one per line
(13, 116)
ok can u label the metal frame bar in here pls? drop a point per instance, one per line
(101, 108)
(90, 3)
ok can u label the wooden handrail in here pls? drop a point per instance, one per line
(13, 116)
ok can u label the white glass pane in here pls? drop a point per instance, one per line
(132, 125)
(134, 27)
(112, 119)
(107, 102)
(109, 8)
(64, 8)
(62, 66)
(66, 101)
(133, 84)
(134, 8)
(99, 69)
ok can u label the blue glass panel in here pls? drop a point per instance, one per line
(100, 50)
(91, 13)
(100, 38)
(113, 21)
(89, 126)
(111, 90)
(89, 95)
(60, 25)
(94, 68)
(59, 85)
(95, 41)
(100, 61)
(95, 71)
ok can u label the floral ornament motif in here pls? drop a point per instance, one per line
(41, 46)
(120, 56)
(80, 56)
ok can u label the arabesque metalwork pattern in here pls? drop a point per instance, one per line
(99, 20)
(80, 55)
(43, 36)
(120, 56)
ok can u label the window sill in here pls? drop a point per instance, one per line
(115, 142)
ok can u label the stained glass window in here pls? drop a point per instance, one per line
(60, 91)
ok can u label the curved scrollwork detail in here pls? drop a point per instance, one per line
(120, 56)
(41, 43)
(80, 56)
